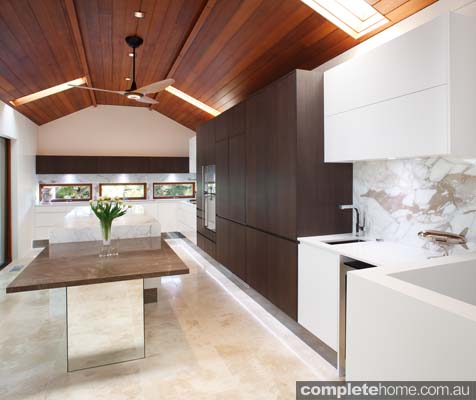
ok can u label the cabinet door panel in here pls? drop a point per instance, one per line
(271, 158)
(258, 124)
(281, 160)
(318, 294)
(282, 274)
(256, 261)
(223, 241)
(222, 177)
(237, 120)
(415, 61)
(237, 249)
(221, 126)
(237, 178)
(210, 143)
(390, 129)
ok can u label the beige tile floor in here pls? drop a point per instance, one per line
(205, 339)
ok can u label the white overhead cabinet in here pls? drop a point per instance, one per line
(413, 96)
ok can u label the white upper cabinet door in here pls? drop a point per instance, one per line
(396, 128)
(412, 62)
(414, 96)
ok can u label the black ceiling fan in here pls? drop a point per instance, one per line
(134, 93)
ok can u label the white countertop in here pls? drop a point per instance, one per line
(85, 203)
(393, 257)
(379, 253)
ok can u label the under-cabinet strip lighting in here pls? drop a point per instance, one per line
(192, 100)
(355, 17)
(48, 92)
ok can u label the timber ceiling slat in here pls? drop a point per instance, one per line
(219, 51)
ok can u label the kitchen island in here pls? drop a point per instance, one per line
(404, 298)
(104, 296)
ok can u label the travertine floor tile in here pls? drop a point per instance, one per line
(205, 339)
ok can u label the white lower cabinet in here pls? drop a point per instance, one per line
(187, 220)
(173, 216)
(318, 293)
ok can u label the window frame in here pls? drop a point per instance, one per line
(143, 184)
(174, 183)
(42, 185)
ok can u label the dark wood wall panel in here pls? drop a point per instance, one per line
(110, 165)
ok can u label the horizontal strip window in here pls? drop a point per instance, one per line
(174, 190)
(65, 192)
(128, 191)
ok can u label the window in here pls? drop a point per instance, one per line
(131, 191)
(65, 192)
(167, 190)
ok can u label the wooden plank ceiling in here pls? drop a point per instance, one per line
(219, 51)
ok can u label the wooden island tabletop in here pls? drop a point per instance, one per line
(75, 264)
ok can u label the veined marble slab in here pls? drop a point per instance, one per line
(81, 225)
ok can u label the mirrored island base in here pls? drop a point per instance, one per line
(105, 323)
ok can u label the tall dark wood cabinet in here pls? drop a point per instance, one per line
(273, 185)
(205, 156)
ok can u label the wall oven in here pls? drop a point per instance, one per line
(209, 196)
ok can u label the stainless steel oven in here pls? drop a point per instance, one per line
(209, 196)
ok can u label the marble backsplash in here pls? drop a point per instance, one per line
(399, 198)
(96, 179)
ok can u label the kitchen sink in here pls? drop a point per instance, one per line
(347, 241)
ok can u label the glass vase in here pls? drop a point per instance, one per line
(107, 249)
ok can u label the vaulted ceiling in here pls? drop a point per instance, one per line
(218, 51)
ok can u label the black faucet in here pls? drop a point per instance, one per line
(358, 228)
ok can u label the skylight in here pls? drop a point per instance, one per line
(48, 92)
(355, 17)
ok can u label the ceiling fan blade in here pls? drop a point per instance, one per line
(147, 100)
(155, 87)
(99, 90)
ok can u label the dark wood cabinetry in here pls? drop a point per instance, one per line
(273, 185)
(207, 245)
(231, 246)
(237, 179)
(231, 163)
(271, 269)
(110, 165)
(205, 156)
(290, 191)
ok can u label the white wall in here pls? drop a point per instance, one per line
(23, 133)
(114, 131)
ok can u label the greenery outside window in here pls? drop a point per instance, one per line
(129, 191)
(65, 192)
(177, 190)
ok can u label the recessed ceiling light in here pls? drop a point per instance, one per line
(127, 79)
(192, 100)
(355, 17)
(139, 14)
(48, 92)
(131, 54)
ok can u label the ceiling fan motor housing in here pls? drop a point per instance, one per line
(134, 41)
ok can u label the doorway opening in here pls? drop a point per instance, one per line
(5, 203)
